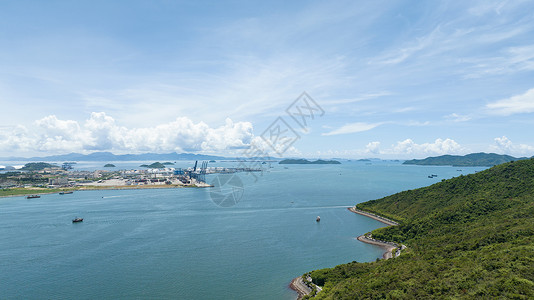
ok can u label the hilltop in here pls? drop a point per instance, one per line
(469, 160)
(156, 165)
(468, 237)
(37, 166)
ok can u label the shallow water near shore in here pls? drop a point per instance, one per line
(177, 244)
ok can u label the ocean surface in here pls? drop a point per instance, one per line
(179, 244)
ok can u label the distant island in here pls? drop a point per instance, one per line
(156, 165)
(38, 166)
(109, 166)
(469, 160)
(307, 162)
(168, 163)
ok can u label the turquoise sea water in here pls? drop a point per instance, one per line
(177, 244)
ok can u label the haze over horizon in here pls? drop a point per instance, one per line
(396, 79)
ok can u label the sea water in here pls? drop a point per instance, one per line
(179, 244)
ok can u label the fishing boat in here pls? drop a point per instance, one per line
(77, 220)
(33, 196)
(64, 193)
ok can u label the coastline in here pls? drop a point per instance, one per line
(387, 247)
(24, 195)
(373, 216)
(298, 285)
(103, 187)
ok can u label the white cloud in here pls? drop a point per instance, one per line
(400, 55)
(260, 148)
(487, 7)
(523, 103)
(506, 146)
(373, 147)
(402, 149)
(100, 132)
(15, 139)
(404, 109)
(353, 128)
(415, 123)
(458, 118)
(438, 147)
(364, 97)
(509, 61)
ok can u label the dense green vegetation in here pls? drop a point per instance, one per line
(469, 160)
(156, 165)
(109, 166)
(468, 237)
(38, 166)
(307, 162)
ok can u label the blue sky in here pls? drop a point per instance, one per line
(396, 79)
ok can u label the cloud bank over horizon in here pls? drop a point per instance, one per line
(101, 133)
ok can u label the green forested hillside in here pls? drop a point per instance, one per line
(473, 159)
(469, 237)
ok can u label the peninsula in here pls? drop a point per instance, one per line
(467, 237)
(44, 178)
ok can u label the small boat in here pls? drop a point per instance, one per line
(77, 220)
(64, 193)
(318, 219)
(33, 196)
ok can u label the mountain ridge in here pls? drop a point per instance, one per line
(480, 159)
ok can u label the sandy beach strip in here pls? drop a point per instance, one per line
(362, 238)
(300, 287)
(387, 247)
(373, 216)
